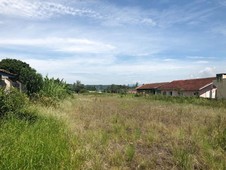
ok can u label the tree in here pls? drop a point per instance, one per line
(28, 76)
(78, 86)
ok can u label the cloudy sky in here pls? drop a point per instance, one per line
(116, 41)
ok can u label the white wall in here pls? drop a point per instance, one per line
(181, 93)
(207, 92)
(221, 88)
(8, 83)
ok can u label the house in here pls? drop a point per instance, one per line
(150, 88)
(8, 80)
(202, 87)
(220, 83)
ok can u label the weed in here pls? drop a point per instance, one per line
(129, 152)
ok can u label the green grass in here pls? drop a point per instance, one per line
(43, 143)
(114, 132)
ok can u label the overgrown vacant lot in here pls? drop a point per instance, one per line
(136, 133)
(113, 132)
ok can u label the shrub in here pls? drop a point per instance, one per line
(54, 88)
(13, 102)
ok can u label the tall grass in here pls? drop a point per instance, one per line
(30, 139)
(186, 100)
(40, 145)
(114, 132)
(54, 88)
(135, 133)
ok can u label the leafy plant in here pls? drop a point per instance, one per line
(130, 151)
(54, 88)
(13, 102)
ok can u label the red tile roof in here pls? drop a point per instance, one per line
(188, 85)
(151, 86)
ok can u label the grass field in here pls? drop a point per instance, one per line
(113, 132)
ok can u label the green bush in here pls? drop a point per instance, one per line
(54, 88)
(12, 102)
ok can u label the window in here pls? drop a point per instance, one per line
(196, 94)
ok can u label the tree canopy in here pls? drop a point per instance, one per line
(28, 76)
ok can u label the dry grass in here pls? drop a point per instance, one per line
(135, 133)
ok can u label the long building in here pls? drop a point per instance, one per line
(201, 87)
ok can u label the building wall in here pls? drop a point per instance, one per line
(178, 93)
(146, 91)
(221, 88)
(8, 84)
(208, 92)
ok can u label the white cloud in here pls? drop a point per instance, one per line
(169, 59)
(62, 44)
(107, 14)
(40, 9)
(191, 13)
(222, 2)
(202, 62)
(148, 21)
(207, 72)
(220, 30)
(195, 57)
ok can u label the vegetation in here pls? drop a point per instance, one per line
(186, 100)
(147, 134)
(39, 144)
(54, 88)
(122, 89)
(13, 102)
(30, 139)
(103, 131)
(78, 87)
(25, 74)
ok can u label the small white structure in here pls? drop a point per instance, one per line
(220, 83)
(7, 80)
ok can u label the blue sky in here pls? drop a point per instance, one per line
(116, 41)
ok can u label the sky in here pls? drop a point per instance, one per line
(116, 41)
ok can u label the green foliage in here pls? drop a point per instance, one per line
(78, 87)
(25, 74)
(122, 89)
(54, 88)
(90, 88)
(13, 102)
(184, 160)
(41, 145)
(130, 151)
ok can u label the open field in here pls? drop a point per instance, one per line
(113, 132)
